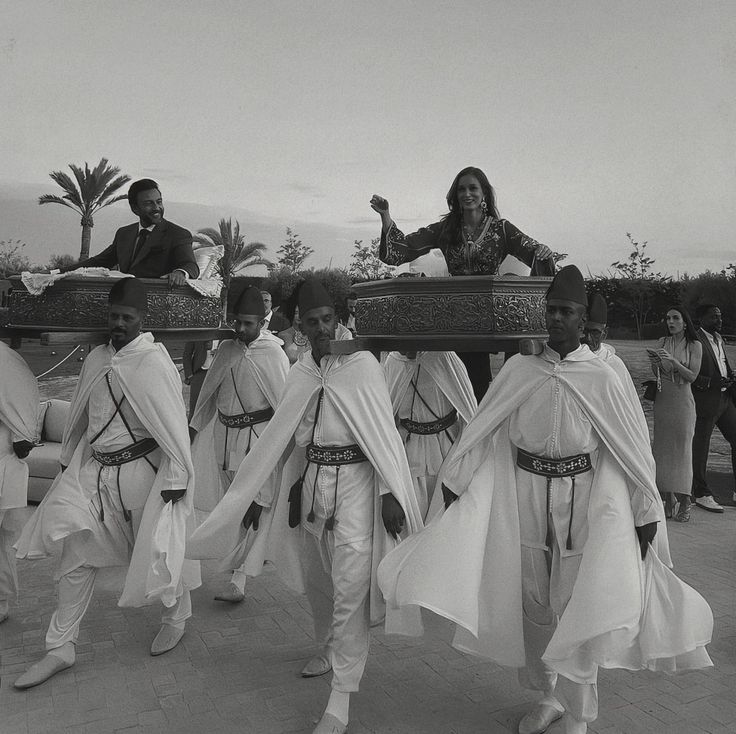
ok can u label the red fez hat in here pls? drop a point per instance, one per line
(250, 303)
(129, 292)
(568, 285)
(598, 310)
(313, 294)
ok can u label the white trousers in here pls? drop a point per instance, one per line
(338, 585)
(8, 570)
(547, 579)
(75, 590)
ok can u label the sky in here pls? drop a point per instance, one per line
(591, 119)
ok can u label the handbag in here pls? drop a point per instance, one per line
(650, 390)
(652, 387)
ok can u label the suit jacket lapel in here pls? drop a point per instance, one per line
(715, 370)
(153, 238)
(130, 233)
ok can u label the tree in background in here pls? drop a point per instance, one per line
(293, 252)
(62, 261)
(237, 255)
(12, 259)
(639, 284)
(365, 264)
(638, 265)
(88, 193)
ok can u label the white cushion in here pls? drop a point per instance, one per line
(56, 415)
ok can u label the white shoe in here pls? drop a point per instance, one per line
(231, 594)
(708, 503)
(316, 666)
(47, 667)
(330, 724)
(573, 726)
(539, 719)
(168, 638)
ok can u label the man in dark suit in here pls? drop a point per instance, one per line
(274, 321)
(713, 403)
(151, 248)
(196, 361)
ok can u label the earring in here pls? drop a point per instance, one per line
(484, 207)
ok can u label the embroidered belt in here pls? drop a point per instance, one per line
(136, 450)
(568, 466)
(244, 420)
(427, 429)
(335, 455)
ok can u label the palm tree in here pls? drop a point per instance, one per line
(93, 190)
(236, 256)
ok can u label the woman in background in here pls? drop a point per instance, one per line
(474, 240)
(295, 342)
(676, 361)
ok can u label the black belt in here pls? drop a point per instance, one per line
(335, 455)
(138, 450)
(244, 420)
(568, 466)
(432, 427)
(135, 451)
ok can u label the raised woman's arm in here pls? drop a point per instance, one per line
(397, 248)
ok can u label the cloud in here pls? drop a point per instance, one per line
(307, 189)
(167, 174)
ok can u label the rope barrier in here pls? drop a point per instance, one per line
(58, 364)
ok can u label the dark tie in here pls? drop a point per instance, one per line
(142, 235)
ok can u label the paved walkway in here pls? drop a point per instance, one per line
(236, 669)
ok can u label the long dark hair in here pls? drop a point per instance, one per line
(690, 334)
(453, 219)
(288, 307)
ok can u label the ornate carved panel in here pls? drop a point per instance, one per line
(483, 306)
(82, 304)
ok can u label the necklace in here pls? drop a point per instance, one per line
(472, 233)
(300, 339)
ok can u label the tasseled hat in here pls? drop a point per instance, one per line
(129, 292)
(568, 285)
(313, 294)
(250, 303)
(598, 310)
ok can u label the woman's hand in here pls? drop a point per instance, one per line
(542, 252)
(665, 356)
(379, 204)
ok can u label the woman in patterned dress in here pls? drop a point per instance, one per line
(676, 361)
(473, 239)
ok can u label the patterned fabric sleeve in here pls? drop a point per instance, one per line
(397, 248)
(518, 244)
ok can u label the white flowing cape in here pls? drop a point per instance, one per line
(151, 385)
(269, 372)
(355, 386)
(450, 376)
(608, 354)
(466, 565)
(19, 402)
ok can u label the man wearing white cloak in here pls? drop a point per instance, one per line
(238, 398)
(356, 476)
(19, 403)
(432, 400)
(557, 507)
(124, 496)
